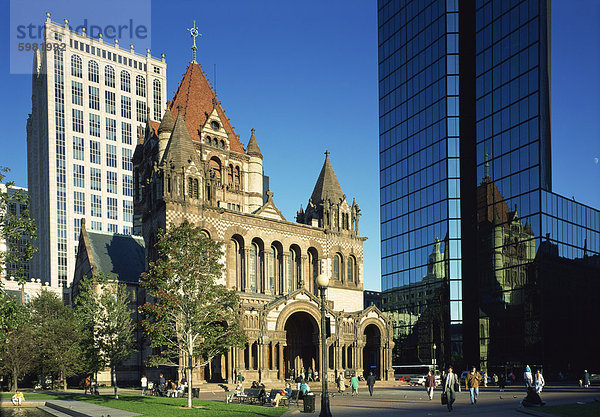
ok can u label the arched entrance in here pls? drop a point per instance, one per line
(372, 350)
(302, 350)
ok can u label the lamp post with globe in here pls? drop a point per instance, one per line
(322, 283)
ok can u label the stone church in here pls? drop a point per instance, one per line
(194, 167)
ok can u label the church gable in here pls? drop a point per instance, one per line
(270, 210)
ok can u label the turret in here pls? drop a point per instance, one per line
(164, 132)
(255, 175)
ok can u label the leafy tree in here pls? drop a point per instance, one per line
(191, 316)
(102, 307)
(17, 229)
(57, 337)
(15, 357)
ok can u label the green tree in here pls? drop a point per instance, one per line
(102, 307)
(18, 343)
(57, 338)
(191, 315)
(17, 229)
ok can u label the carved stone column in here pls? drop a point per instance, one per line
(285, 272)
(246, 276)
(306, 278)
(267, 257)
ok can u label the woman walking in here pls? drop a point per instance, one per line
(430, 384)
(539, 381)
(354, 384)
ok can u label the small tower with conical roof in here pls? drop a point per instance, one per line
(255, 175)
(164, 132)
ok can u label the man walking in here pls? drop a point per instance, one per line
(371, 383)
(472, 381)
(430, 384)
(450, 388)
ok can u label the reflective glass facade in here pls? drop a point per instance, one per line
(472, 236)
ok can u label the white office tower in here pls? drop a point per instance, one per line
(89, 102)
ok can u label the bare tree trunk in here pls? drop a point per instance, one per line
(113, 373)
(62, 380)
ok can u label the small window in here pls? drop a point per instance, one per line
(215, 125)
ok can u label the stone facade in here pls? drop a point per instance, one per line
(194, 168)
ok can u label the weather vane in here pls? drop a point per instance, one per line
(194, 33)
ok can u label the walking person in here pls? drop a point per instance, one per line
(502, 382)
(371, 383)
(472, 383)
(539, 381)
(586, 379)
(87, 385)
(144, 384)
(450, 388)
(354, 384)
(341, 383)
(528, 377)
(430, 384)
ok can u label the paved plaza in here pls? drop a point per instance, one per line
(414, 402)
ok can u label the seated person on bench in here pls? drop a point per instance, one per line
(287, 393)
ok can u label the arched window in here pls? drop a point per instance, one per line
(252, 267)
(222, 144)
(215, 143)
(109, 76)
(236, 177)
(208, 140)
(351, 268)
(290, 272)
(230, 174)
(93, 72)
(140, 86)
(76, 66)
(125, 81)
(157, 96)
(272, 269)
(215, 167)
(337, 266)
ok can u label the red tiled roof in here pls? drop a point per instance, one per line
(154, 125)
(195, 96)
(491, 204)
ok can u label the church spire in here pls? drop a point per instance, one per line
(327, 186)
(253, 148)
(194, 34)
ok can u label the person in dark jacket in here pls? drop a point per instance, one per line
(371, 383)
(450, 388)
(430, 384)
(586, 379)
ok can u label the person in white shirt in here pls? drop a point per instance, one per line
(539, 381)
(144, 383)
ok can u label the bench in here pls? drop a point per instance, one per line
(295, 397)
(253, 395)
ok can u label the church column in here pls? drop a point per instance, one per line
(280, 346)
(285, 271)
(306, 274)
(269, 267)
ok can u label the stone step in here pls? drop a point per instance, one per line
(54, 412)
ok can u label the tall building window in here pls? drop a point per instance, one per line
(125, 81)
(78, 176)
(272, 268)
(78, 149)
(252, 258)
(111, 129)
(157, 95)
(95, 152)
(109, 76)
(127, 211)
(77, 121)
(94, 125)
(79, 202)
(236, 178)
(127, 230)
(76, 230)
(126, 107)
(96, 179)
(96, 206)
(127, 185)
(76, 66)
(111, 206)
(140, 107)
(111, 156)
(111, 182)
(77, 93)
(113, 228)
(140, 86)
(193, 187)
(109, 102)
(126, 163)
(94, 97)
(126, 133)
(93, 72)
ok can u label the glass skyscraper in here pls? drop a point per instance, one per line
(469, 225)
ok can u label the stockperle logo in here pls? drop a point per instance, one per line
(116, 23)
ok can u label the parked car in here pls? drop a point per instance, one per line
(594, 379)
(403, 378)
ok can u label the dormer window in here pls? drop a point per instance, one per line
(215, 125)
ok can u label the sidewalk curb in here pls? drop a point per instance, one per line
(291, 413)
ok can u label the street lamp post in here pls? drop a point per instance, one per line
(322, 283)
(434, 358)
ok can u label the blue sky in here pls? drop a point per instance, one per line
(304, 75)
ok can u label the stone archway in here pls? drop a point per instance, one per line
(302, 343)
(372, 351)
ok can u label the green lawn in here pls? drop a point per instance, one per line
(574, 410)
(160, 406)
